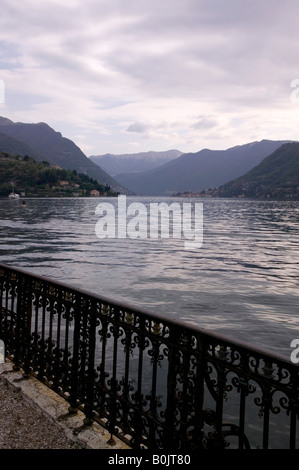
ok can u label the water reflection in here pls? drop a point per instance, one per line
(242, 282)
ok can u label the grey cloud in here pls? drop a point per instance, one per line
(166, 47)
(139, 127)
(205, 123)
(171, 58)
(146, 129)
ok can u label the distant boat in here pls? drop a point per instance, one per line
(13, 195)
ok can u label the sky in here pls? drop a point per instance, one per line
(128, 76)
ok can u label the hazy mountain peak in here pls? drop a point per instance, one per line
(199, 171)
(134, 162)
(5, 122)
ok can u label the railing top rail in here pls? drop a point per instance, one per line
(224, 339)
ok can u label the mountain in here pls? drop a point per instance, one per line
(277, 176)
(134, 162)
(201, 170)
(51, 146)
(15, 147)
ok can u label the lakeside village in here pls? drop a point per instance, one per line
(248, 190)
(64, 189)
(24, 177)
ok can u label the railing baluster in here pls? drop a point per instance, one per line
(19, 320)
(90, 379)
(137, 423)
(243, 393)
(128, 327)
(102, 335)
(113, 402)
(154, 400)
(27, 313)
(218, 441)
(293, 426)
(170, 441)
(267, 401)
(266, 415)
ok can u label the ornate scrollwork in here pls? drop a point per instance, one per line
(242, 383)
(155, 354)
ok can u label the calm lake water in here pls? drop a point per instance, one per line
(242, 282)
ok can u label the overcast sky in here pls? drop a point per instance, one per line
(125, 76)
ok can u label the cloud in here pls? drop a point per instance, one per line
(139, 127)
(205, 123)
(166, 73)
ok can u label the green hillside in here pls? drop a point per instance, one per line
(44, 143)
(38, 179)
(277, 176)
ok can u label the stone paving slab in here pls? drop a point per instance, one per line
(33, 416)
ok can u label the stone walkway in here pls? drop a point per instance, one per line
(34, 417)
(24, 426)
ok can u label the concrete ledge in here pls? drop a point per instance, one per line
(55, 407)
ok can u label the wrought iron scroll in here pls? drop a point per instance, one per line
(154, 382)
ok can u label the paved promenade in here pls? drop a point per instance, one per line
(34, 417)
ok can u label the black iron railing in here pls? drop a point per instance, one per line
(151, 381)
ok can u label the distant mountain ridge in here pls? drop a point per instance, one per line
(134, 162)
(44, 143)
(277, 176)
(183, 172)
(16, 147)
(198, 171)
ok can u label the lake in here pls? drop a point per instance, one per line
(242, 282)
